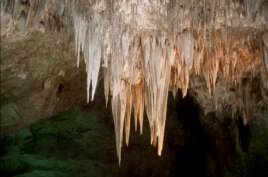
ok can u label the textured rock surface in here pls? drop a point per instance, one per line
(80, 142)
(215, 50)
(33, 66)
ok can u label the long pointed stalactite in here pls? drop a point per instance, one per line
(144, 49)
(141, 63)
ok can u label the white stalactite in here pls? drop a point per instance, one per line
(141, 59)
(144, 48)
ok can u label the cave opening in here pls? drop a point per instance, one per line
(60, 88)
(187, 150)
(243, 134)
(191, 159)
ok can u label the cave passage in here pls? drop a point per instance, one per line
(191, 159)
(243, 134)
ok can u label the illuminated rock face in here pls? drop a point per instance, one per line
(144, 49)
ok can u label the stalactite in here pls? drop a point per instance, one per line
(265, 54)
(140, 62)
(146, 48)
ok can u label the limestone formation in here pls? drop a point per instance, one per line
(144, 49)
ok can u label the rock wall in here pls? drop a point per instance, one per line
(216, 50)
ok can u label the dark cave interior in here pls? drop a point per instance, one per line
(81, 141)
(191, 159)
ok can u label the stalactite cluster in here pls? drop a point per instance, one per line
(144, 49)
(149, 48)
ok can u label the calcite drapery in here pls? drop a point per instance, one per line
(146, 48)
(149, 47)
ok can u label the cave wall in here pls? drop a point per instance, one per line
(36, 57)
(41, 39)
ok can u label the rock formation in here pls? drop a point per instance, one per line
(217, 50)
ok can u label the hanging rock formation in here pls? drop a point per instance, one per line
(144, 49)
